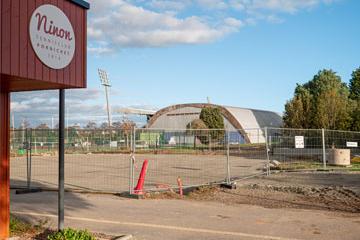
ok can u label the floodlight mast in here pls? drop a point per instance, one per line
(106, 83)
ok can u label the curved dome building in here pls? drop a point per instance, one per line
(248, 123)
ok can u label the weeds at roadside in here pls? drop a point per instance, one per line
(71, 234)
(18, 227)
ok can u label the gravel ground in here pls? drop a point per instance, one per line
(110, 172)
(336, 192)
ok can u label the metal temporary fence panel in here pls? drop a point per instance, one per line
(110, 160)
(196, 156)
(247, 158)
(295, 148)
(93, 162)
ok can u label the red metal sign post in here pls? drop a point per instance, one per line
(42, 46)
(4, 161)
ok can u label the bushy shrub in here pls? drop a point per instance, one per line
(71, 234)
(197, 124)
(199, 129)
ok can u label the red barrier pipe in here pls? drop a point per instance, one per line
(180, 186)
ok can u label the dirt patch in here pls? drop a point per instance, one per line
(333, 199)
(274, 192)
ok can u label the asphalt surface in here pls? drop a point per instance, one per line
(184, 219)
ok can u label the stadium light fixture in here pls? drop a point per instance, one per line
(106, 83)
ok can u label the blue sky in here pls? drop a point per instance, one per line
(246, 53)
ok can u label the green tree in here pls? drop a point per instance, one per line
(42, 126)
(332, 111)
(355, 116)
(212, 118)
(197, 124)
(298, 110)
(325, 80)
(91, 125)
(198, 129)
(320, 103)
(355, 85)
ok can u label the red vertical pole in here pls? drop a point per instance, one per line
(4, 161)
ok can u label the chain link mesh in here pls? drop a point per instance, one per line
(103, 160)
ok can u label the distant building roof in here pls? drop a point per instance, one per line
(236, 118)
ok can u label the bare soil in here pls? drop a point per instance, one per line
(335, 192)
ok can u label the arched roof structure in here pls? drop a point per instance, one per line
(244, 120)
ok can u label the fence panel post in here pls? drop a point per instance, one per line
(131, 172)
(30, 158)
(26, 147)
(267, 152)
(228, 177)
(323, 147)
(132, 160)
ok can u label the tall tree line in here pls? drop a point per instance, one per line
(325, 102)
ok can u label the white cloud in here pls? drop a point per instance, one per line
(287, 6)
(237, 4)
(127, 25)
(82, 105)
(273, 11)
(233, 22)
(99, 48)
(116, 24)
(172, 5)
(94, 33)
(283, 5)
(213, 4)
(274, 19)
(18, 107)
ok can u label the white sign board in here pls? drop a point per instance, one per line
(113, 144)
(52, 36)
(299, 142)
(352, 144)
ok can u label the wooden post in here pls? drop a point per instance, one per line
(4, 161)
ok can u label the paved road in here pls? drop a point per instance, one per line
(178, 220)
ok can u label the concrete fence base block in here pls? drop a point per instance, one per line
(26, 191)
(275, 163)
(137, 196)
(228, 185)
(124, 237)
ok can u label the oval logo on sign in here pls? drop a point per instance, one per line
(52, 36)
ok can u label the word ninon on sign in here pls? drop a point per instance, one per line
(52, 36)
(50, 28)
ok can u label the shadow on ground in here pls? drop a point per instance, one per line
(43, 201)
